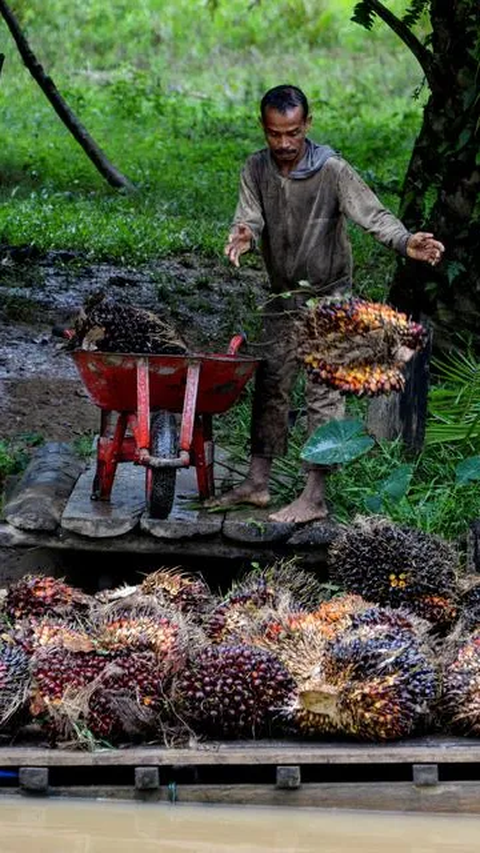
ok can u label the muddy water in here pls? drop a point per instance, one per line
(79, 827)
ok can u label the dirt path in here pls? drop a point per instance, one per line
(39, 389)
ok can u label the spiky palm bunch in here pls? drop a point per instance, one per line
(372, 682)
(188, 592)
(233, 691)
(355, 346)
(397, 566)
(109, 694)
(110, 326)
(35, 595)
(14, 679)
(461, 688)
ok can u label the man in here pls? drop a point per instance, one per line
(295, 197)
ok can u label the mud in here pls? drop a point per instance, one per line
(39, 388)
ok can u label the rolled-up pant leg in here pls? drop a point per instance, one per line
(273, 384)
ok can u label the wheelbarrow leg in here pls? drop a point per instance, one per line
(202, 445)
(109, 452)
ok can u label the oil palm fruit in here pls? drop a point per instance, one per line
(110, 326)
(14, 679)
(233, 691)
(109, 694)
(355, 346)
(34, 595)
(187, 592)
(461, 687)
(397, 566)
(372, 682)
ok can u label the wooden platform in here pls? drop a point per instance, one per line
(429, 775)
(72, 521)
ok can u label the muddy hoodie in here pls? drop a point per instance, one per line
(300, 219)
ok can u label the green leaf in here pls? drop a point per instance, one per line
(468, 470)
(391, 490)
(364, 15)
(454, 269)
(337, 442)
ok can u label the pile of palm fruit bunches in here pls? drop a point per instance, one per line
(389, 648)
(357, 347)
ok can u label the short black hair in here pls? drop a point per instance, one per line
(284, 98)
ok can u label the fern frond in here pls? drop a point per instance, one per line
(415, 12)
(363, 14)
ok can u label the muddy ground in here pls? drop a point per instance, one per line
(39, 389)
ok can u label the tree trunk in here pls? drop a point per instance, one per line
(76, 128)
(441, 191)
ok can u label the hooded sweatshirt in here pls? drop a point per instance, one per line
(300, 220)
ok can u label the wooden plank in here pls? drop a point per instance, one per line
(187, 519)
(446, 798)
(428, 750)
(100, 519)
(133, 543)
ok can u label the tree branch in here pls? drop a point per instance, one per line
(76, 128)
(2, 60)
(423, 56)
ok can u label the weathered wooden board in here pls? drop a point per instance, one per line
(436, 750)
(452, 797)
(187, 519)
(99, 519)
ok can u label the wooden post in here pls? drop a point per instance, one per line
(404, 415)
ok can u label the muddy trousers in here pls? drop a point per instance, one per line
(273, 385)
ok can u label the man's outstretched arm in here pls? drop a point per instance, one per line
(248, 222)
(360, 204)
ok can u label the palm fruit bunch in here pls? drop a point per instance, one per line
(233, 691)
(106, 325)
(397, 566)
(259, 598)
(188, 593)
(14, 679)
(108, 694)
(34, 595)
(141, 633)
(469, 603)
(356, 346)
(371, 682)
(327, 620)
(460, 705)
(382, 683)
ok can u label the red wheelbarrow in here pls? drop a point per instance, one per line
(139, 396)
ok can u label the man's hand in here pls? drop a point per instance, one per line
(239, 242)
(423, 247)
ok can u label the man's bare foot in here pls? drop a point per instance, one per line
(300, 511)
(247, 492)
(310, 505)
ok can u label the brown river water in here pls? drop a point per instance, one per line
(29, 826)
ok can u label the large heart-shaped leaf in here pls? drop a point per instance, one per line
(337, 442)
(468, 470)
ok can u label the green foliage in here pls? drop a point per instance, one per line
(455, 402)
(15, 453)
(415, 11)
(177, 112)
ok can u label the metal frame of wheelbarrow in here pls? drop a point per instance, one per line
(193, 444)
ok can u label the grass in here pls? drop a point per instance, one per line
(179, 116)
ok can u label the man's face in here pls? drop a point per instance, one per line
(285, 134)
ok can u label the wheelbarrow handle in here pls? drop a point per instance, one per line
(237, 342)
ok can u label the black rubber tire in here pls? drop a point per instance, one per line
(163, 442)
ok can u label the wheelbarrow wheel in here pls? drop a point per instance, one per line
(163, 442)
